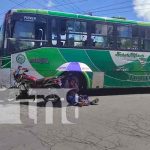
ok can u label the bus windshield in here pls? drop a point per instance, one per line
(24, 30)
(26, 35)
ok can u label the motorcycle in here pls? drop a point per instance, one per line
(23, 81)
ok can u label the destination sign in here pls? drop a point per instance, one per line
(29, 18)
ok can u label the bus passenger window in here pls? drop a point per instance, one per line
(110, 30)
(76, 33)
(80, 40)
(147, 33)
(101, 29)
(99, 41)
(124, 31)
(145, 38)
(135, 31)
(135, 44)
(145, 44)
(142, 32)
(124, 43)
(124, 37)
(70, 41)
(73, 33)
(63, 32)
(54, 32)
(101, 36)
(135, 37)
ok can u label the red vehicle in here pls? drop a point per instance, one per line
(25, 81)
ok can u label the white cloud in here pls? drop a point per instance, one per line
(142, 9)
(50, 4)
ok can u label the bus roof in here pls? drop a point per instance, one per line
(79, 16)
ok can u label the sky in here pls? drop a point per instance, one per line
(130, 9)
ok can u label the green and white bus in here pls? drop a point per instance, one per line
(116, 50)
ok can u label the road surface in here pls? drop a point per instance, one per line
(117, 123)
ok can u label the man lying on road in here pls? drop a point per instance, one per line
(79, 100)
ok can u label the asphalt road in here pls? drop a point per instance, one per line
(116, 123)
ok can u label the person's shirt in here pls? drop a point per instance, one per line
(73, 98)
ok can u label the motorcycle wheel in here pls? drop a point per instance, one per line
(23, 89)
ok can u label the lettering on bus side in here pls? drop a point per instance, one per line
(39, 60)
(139, 78)
(129, 55)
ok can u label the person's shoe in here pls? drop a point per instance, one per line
(94, 102)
